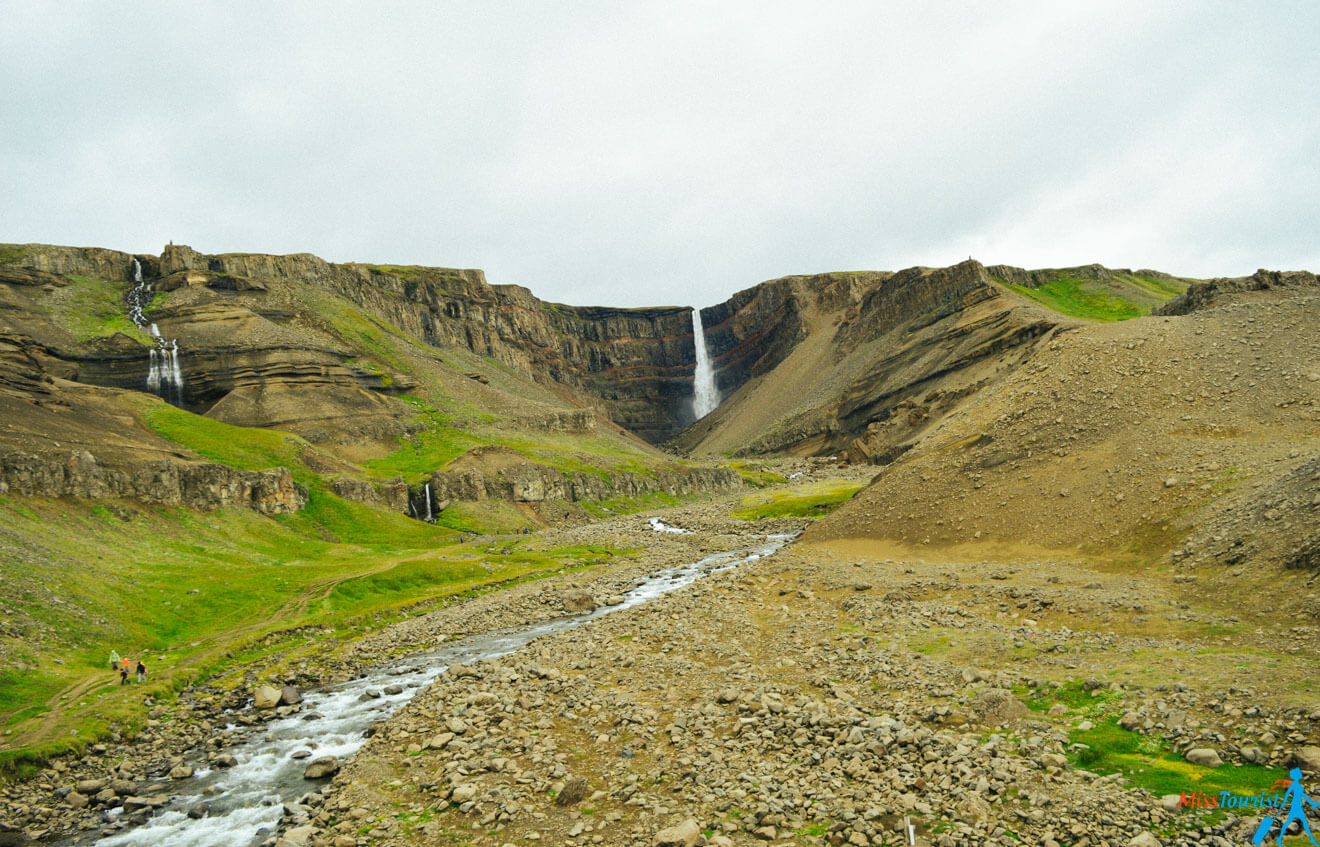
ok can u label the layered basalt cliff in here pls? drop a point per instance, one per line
(756, 329)
(859, 364)
(497, 473)
(636, 364)
(167, 482)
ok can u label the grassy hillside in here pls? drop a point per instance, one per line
(186, 590)
(1122, 296)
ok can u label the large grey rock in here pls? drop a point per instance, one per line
(1306, 758)
(575, 790)
(998, 706)
(1204, 756)
(578, 600)
(322, 767)
(266, 697)
(684, 834)
(1144, 839)
(290, 696)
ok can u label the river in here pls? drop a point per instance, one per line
(245, 802)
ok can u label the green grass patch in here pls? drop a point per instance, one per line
(8, 255)
(1077, 299)
(247, 448)
(1151, 765)
(625, 505)
(810, 500)
(756, 476)
(93, 308)
(1126, 295)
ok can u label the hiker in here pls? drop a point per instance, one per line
(114, 660)
(141, 671)
(123, 673)
(125, 664)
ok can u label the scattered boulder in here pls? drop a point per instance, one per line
(290, 696)
(684, 834)
(998, 706)
(1204, 756)
(266, 697)
(1306, 758)
(463, 792)
(181, 772)
(1144, 839)
(322, 767)
(577, 600)
(574, 791)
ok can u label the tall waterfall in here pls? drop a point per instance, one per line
(164, 369)
(705, 396)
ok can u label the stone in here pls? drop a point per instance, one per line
(322, 767)
(437, 742)
(290, 696)
(574, 791)
(1053, 760)
(181, 772)
(89, 786)
(577, 600)
(266, 697)
(76, 800)
(1204, 756)
(1306, 758)
(299, 836)
(684, 834)
(1171, 802)
(1144, 839)
(998, 706)
(463, 792)
(1130, 720)
(393, 690)
(224, 760)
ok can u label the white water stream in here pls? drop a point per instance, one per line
(246, 801)
(705, 395)
(164, 369)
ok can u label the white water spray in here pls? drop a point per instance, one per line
(164, 369)
(429, 517)
(705, 396)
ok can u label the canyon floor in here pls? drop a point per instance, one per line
(839, 692)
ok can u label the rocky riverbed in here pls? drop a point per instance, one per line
(830, 694)
(821, 697)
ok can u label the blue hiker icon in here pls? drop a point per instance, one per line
(1293, 800)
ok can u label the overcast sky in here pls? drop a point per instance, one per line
(644, 153)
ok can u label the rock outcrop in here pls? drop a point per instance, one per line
(204, 486)
(1200, 294)
(859, 364)
(498, 473)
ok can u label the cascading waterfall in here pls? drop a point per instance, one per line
(164, 369)
(429, 517)
(705, 396)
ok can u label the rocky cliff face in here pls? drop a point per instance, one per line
(858, 364)
(1201, 294)
(636, 364)
(496, 473)
(756, 329)
(205, 486)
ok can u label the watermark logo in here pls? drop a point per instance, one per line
(1286, 809)
(1280, 809)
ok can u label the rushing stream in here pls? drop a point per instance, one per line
(245, 801)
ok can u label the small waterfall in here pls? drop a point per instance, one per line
(705, 396)
(429, 517)
(164, 369)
